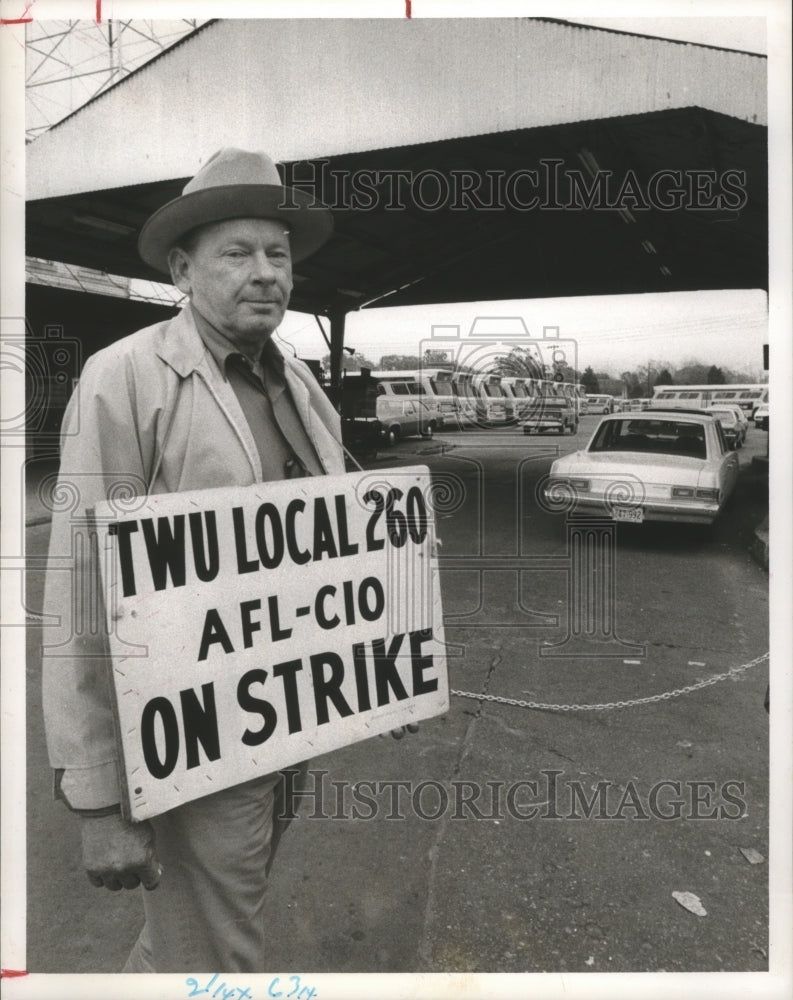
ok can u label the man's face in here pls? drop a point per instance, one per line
(238, 274)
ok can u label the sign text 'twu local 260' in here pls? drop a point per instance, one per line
(252, 628)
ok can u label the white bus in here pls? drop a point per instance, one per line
(437, 385)
(491, 403)
(748, 396)
(517, 392)
(574, 391)
(600, 403)
(465, 397)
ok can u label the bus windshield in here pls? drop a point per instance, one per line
(443, 387)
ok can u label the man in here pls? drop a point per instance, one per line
(203, 400)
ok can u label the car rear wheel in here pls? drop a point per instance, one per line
(428, 431)
(393, 435)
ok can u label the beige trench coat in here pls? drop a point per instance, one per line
(151, 414)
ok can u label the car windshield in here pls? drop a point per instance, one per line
(660, 437)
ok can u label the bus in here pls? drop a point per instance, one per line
(491, 403)
(517, 393)
(436, 388)
(481, 399)
(437, 385)
(574, 391)
(600, 403)
(465, 398)
(747, 396)
(577, 393)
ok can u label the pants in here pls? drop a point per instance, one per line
(207, 914)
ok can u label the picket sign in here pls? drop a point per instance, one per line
(253, 628)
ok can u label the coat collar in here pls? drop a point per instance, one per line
(182, 348)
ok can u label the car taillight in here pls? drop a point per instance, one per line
(690, 493)
(555, 482)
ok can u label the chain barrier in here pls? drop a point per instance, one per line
(676, 693)
(520, 703)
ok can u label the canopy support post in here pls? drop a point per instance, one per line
(337, 318)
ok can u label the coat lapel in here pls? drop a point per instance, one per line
(183, 349)
(325, 443)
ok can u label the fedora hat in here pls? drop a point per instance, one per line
(235, 184)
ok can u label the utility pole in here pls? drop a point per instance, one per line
(650, 370)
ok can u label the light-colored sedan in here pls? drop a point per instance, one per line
(740, 416)
(659, 465)
(734, 429)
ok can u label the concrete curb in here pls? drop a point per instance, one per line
(759, 547)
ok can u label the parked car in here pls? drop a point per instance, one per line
(550, 413)
(403, 409)
(662, 465)
(739, 412)
(761, 417)
(734, 429)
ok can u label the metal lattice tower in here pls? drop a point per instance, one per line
(68, 63)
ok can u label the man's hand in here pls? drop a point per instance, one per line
(118, 854)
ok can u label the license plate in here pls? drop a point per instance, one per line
(633, 514)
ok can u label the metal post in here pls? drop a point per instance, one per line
(337, 318)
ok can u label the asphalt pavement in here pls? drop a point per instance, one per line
(585, 809)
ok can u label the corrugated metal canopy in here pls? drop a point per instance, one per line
(305, 88)
(421, 253)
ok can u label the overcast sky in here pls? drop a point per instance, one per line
(612, 333)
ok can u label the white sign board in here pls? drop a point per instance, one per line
(252, 628)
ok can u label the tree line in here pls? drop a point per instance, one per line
(640, 382)
(524, 363)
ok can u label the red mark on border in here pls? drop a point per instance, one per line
(18, 20)
(98, 11)
(11, 973)
(408, 5)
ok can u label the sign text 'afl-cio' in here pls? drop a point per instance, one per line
(253, 628)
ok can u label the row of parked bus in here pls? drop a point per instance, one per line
(421, 401)
(748, 396)
(686, 397)
(394, 404)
